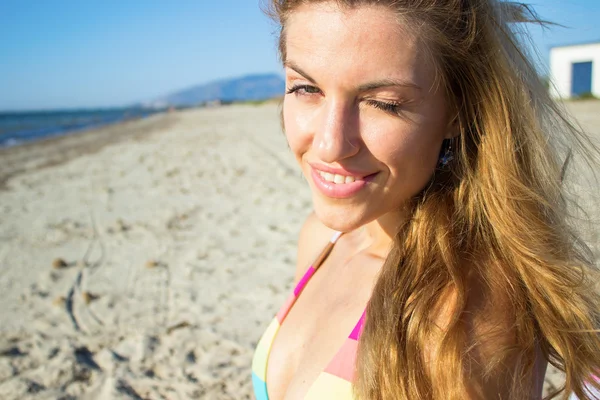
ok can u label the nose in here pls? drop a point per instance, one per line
(336, 135)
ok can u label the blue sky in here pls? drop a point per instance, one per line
(75, 54)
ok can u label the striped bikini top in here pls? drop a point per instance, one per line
(335, 381)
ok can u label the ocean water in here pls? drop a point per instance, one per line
(20, 127)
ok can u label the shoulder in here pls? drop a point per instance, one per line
(312, 238)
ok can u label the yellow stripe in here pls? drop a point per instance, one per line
(330, 387)
(259, 362)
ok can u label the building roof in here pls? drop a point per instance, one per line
(576, 44)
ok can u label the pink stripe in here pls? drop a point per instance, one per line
(343, 365)
(303, 281)
(285, 308)
(358, 328)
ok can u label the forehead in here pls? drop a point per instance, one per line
(361, 43)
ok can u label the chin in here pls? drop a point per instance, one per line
(339, 218)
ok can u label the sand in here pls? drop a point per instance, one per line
(144, 260)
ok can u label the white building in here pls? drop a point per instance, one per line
(575, 70)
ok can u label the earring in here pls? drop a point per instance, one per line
(447, 154)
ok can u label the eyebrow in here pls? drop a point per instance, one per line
(295, 67)
(364, 87)
(386, 83)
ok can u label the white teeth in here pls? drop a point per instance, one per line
(335, 178)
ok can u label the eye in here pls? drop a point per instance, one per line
(392, 107)
(303, 90)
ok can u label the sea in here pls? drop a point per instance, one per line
(21, 127)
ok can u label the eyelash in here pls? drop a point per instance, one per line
(296, 88)
(392, 108)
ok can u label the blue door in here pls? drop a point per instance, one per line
(582, 79)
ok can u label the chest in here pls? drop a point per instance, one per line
(314, 330)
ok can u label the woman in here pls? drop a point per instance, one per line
(434, 156)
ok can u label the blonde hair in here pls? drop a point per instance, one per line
(497, 216)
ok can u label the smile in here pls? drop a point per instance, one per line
(339, 186)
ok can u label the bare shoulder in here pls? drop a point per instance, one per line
(312, 239)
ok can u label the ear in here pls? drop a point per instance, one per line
(453, 128)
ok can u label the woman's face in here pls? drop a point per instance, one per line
(361, 112)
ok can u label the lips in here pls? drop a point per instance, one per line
(340, 171)
(339, 183)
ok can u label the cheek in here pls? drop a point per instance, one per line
(408, 153)
(297, 135)
(290, 127)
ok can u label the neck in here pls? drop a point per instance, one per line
(377, 236)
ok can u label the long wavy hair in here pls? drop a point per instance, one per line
(497, 217)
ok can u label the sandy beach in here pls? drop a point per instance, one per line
(144, 260)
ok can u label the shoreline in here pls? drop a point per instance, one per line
(56, 150)
(19, 127)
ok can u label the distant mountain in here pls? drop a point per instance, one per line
(250, 87)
